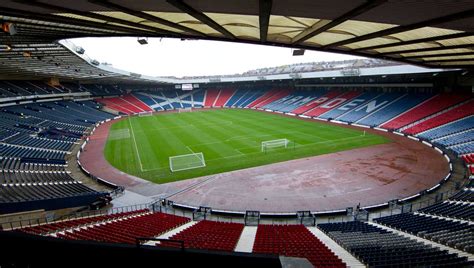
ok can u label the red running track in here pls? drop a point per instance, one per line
(370, 175)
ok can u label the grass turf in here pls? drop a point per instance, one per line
(230, 139)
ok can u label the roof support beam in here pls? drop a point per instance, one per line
(265, 9)
(428, 49)
(310, 32)
(448, 60)
(403, 28)
(441, 55)
(146, 16)
(417, 41)
(181, 5)
(99, 17)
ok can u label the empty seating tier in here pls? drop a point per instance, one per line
(448, 232)
(427, 108)
(466, 109)
(294, 241)
(451, 209)
(75, 223)
(210, 235)
(377, 247)
(127, 230)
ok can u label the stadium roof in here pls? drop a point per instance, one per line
(436, 33)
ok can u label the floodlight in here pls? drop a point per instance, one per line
(142, 41)
(298, 52)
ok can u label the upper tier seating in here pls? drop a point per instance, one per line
(210, 235)
(451, 233)
(126, 230)
(294, 241)
(381, 248)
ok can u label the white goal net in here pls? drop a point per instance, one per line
(185, 110)
(186, 161)
(274, 144)
(140, 114)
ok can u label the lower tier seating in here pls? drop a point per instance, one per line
(294, 241)
(127, 230)
(57, 226)
(464, 195)
(210, 235)
(377, 247)
(448, 232)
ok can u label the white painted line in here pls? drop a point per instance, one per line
(135, 143)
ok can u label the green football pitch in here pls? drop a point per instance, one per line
(229, 139)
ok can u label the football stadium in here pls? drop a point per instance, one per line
(366, 161)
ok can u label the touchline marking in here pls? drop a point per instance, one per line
(135, 143)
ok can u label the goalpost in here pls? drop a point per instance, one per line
(274, 144)
(147, 113)
(186, 161)
(184, 110)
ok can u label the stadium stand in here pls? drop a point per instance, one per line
(211, 97)
(466, 109)
(451, 128)
(238, 94)
(376, 247)
(210, 235)
(393, 109)
(456, 234)
(276, 95)
(329, 102)
(294, 241)
(432, 106)
(451, 209)
(49, 228)
(224, 96)
(126, 230)
(36, 138)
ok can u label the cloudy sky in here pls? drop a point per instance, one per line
(173, 57)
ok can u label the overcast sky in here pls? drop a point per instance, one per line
(173, 57)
